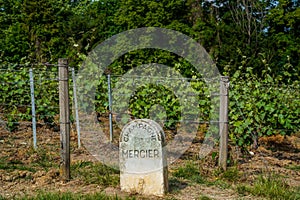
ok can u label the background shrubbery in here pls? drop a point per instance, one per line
(261, 59)
(259, 106)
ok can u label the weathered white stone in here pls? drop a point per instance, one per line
(143, 165)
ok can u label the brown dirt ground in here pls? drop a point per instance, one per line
(275, 155)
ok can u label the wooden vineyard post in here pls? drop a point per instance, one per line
(223, 121)
(64, 115)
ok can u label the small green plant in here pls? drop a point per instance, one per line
(202, 197)
(12, 121)
(231, 174)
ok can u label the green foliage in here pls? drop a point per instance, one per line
(146, 13)
(15, 99)
(15, 93)
(42, 31)
(47, 101)
(146, 97)
(284, 33)
(262, 106)
(146, 93)
(91, 23)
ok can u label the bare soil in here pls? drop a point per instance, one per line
(24, 171)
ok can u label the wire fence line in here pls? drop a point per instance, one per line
(30, 93)
(18, 107)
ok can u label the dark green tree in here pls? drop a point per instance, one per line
(91, 23)
(45, 22)
(283, 38)
(13, 40)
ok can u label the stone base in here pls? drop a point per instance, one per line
(154, 183)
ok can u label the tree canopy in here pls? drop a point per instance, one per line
(266, 32)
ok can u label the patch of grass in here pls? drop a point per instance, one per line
(14, 165)
(220, 183)
(224, 179)
(95, 173)
(203, 197)
(73, 196)
(271, 187)
(170, 198)
(176, 185)
(231, 174)
(190, 172)
(294, 167)
(44, 159)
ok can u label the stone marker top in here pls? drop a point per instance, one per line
(142, 129)
(142, 147)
